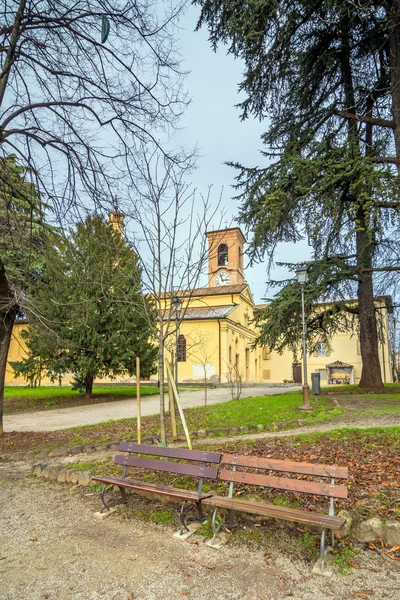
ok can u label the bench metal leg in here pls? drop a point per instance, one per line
(325, 549)
(214, 526)
(200, 511)
(104, 507)
(123, 494)
(182, 519)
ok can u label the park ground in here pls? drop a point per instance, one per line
(132, 555)
(54, 548)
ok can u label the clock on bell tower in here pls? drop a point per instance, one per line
(225, 257)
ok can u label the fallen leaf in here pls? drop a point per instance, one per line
(262, 597)
(229, 567)
(132, 558)
(394, 549)
(130, 597)
(353, 565)
(46, 596)
(33, 539)
(248, 595)
(203, 564)
(362, 595)
(183, 593)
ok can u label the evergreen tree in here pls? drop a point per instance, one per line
(91, 317)
(319, 71)
(23, 237)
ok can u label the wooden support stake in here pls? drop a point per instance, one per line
(185, 429)
(139, 430)
(172, 408)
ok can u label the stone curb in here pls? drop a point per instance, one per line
(201, 434)
(366, 531)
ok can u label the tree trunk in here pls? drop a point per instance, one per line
(8, 311)
(89, 387)
(161, 378)
(371, 377)
(393, 16)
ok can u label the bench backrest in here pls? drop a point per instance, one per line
(284, 483)
(201, 470)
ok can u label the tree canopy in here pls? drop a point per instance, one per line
(318, 73)
(91, 318)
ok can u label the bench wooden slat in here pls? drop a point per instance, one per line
(184, 454)
(170, 467)
(282, 483)
(278, 512)
(163, 490)
(285, 466)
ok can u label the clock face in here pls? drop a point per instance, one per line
(223, 278)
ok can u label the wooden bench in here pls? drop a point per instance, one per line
(199, 471)
(235, 470)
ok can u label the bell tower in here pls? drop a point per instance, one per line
(225, 257)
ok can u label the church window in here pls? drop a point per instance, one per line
(230, 353)
(266, 353)
(222, 255)
(181, 349)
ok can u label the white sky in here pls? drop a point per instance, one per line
(212, 122)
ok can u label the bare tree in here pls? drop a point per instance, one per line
(74, 106)
(201, 351)
(235, 379)
(169, 220)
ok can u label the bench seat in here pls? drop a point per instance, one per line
(279, 512)
(155, 488)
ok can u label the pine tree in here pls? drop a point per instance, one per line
(91, 317)
(23, 237)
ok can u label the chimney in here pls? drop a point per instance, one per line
(116, 222)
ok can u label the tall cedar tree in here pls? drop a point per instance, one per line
(91, 318)
(319, 71)
(23, 235)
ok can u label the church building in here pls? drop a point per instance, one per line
(215, 338)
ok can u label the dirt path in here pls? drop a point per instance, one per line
(63, 418)
(52, 547)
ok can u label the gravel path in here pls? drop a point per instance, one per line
(63, 418)
(52, 547)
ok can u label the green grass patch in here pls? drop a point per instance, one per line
(344, 554)
(234, 413)
(355, 388)
(19, 399)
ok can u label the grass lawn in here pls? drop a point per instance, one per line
(235, 413)
(19, 398)
(391, 388)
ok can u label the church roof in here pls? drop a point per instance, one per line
(208, 312)
(219, 290)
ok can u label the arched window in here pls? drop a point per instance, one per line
(222, 255)
(181, 349)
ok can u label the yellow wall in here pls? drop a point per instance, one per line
(218, 343)
(345, 348)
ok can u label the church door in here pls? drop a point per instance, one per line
(297, 374)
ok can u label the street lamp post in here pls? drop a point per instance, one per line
(176, 303)
(302, 277)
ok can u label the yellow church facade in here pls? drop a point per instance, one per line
(216, 335)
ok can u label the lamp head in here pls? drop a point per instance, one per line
(176, 302)
(302, 275)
